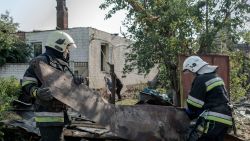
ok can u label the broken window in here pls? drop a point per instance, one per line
(104, 57)
(37, 48)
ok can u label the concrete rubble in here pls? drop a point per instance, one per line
(242, 119)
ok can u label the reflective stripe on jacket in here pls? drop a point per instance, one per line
(212, 83)
(195, 102)
(218, 117)
(208, 93)
(49, 117)
(29, 80)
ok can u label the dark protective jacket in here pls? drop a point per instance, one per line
(208, 98)
(30, 80)
(118, 82)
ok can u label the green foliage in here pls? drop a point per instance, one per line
(246, 37)
(9, 90)
(12, 49)
(216, 16)
(160, 30)
(163, 29)
(239, 75)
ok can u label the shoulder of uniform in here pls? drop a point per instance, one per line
(42, 58)
(202, 79)
(208, 78)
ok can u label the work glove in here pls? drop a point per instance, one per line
(78, 79)
(187, 111)
(191, 114)
(43, 94)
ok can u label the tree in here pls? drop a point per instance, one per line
(160, 30)
(12, 49)
(163, 29)
(219, 19)
(239, 84)
(246, 37)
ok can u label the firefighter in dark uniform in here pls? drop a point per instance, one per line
(207, 102)
(119, 87)
(50, 115)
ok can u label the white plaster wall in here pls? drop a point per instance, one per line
(79, 34)
(81, 38)
(118, 48)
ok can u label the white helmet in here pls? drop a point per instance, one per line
(60, 41)
(193, 64)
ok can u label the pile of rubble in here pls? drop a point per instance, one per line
(242, 119)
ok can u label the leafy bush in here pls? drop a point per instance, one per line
(239, 66)
(9, 90)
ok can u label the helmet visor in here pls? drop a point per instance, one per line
(186, 71)
(71, 45)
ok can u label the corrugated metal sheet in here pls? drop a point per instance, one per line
(186, 79)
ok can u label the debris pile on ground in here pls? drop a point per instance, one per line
(130, 92)
(242, 119)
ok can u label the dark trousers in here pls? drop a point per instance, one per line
(118, 92)
(51, 133)
(216, 132)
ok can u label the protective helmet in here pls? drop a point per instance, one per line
(59, 41)
(193, 64)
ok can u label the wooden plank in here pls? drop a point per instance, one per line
(141, 122)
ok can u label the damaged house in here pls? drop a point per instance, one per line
(95, 49)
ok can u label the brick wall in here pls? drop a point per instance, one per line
(16, 70)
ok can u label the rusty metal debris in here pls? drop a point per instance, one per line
(141, 122)
(84, 128)
(144, 123)
(80, 127)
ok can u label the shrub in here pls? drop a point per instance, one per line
(239, 85)
(9, 90)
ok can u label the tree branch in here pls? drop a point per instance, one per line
(138, 7)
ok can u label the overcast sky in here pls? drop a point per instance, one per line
(41, 14)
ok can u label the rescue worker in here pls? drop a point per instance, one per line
(50, 113)
(118, 86)
(207, 102)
